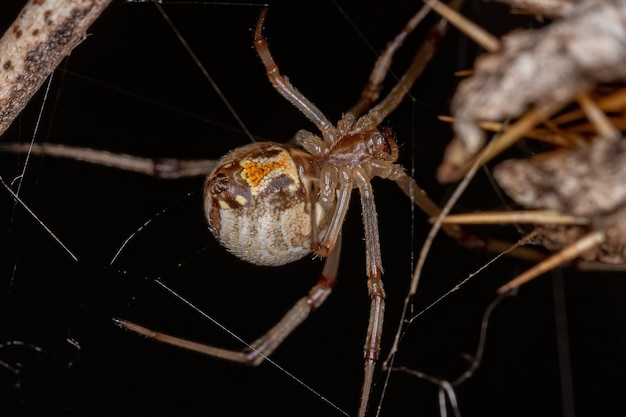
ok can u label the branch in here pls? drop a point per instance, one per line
(44, 33)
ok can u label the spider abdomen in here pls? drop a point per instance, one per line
(258, 206)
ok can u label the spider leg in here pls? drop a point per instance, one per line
(374, 284)
(284, 87)
(379, 112)
(371, 91)
(261, 348)
(408, 185)
(339, 199)
(166, 168)
(346, 179)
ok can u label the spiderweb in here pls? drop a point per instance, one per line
(67, 271)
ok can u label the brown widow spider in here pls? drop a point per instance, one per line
(271, 203)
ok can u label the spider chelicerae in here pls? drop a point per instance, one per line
(270, 203)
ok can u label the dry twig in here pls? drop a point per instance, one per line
(544, 68)
(44, 33)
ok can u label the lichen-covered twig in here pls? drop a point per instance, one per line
(44, 33)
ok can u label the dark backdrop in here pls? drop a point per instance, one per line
(130, 87)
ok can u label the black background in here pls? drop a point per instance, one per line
(130, 87)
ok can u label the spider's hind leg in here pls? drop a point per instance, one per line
(261, 348)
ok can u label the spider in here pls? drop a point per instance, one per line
(270, 203)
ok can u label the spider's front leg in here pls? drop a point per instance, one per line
(374, 283)
(336, 186)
